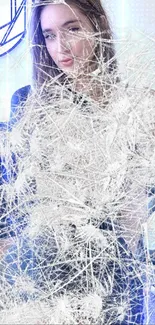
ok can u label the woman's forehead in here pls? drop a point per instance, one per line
(59, 15)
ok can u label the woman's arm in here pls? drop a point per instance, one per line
(17, 104)
(9, 214)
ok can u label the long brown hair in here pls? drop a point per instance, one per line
(43, 65)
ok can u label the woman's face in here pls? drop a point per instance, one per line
(69, 38)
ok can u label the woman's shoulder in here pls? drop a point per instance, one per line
(18, 99)
(20, 95)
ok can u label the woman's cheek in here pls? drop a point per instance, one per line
(79, 49)
(85, 49)
(51, 52)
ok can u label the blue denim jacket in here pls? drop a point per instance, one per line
(26, 258)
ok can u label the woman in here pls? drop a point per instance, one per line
(81, 36)
(85, 43)
(71, 264)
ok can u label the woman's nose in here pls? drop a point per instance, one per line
(63, 43)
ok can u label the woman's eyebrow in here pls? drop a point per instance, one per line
(63, 25)
(70, 22)
(46, 30)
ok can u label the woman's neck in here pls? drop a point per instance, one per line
(88, 85)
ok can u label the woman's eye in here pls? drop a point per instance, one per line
(74, 29)
(49, 36)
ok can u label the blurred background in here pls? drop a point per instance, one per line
(133, 24)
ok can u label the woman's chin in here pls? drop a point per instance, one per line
(72, 73)
(75, 70)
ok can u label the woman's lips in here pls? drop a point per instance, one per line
(67, 62)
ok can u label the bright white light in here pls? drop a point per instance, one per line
(15, 66)
(5, 109)
(123, 15)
